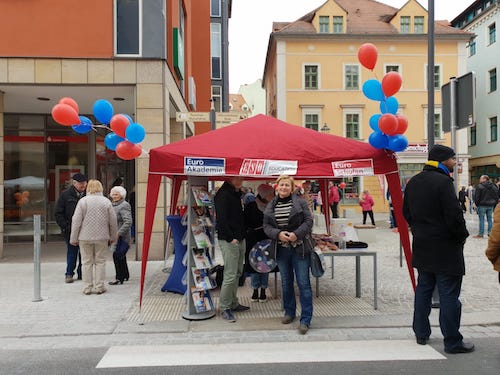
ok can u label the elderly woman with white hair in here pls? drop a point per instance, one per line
(124, 218)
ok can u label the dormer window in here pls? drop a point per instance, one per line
(418, 25)
(405, 24)
(324, 24)
(338, 24)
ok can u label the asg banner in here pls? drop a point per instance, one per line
(262, 167)
(195, 166)
(348, 168)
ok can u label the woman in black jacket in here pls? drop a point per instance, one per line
(288, 222)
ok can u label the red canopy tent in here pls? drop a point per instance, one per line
(249, 147)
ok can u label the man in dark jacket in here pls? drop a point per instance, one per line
(65, 208)
(230, 226)
(486, 198)
(436, 219)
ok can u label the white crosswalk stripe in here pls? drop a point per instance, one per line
(278, 352)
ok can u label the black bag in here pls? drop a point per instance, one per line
(317, 269)
(122, 247)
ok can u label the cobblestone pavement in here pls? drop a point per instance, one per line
(103, 320)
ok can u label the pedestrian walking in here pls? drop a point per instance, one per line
(366, 202)
(64, 210)
(486, 198)
(94, 228)
(462, 195)
(437, 223)
(334, 199)
(124, 221)
(288, 223)
(230, 225)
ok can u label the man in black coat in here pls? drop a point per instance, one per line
(230, 226)
(65, 208)
(486, 198)
(439, 232)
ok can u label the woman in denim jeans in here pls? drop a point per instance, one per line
(288, 222)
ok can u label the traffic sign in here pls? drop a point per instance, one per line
(225, 118)
(192, 116)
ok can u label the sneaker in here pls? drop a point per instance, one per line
(262, 297)
(240, 308)
(287, 319)
(255, 295)
(303, 329)
(228, 315)
(87, 291)
(68, 279)
(101, 291)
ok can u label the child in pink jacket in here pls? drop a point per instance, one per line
(366, 203)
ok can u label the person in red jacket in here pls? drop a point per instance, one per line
(366, 203)
(334, 199)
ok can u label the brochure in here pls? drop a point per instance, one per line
(200, 235)
(202, 279)
(201, 195)
(202, 259)
(202, 300)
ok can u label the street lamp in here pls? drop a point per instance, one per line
(325, 129)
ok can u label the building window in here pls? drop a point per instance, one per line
(217, 98)
(418, 25)
(351, 191)
(215, 10)
(338, 24)
(352, 125)
(472, 135)
(493, 79)
(437, 77)
(437, 126)
(405, 24)
(392, 68)
(492, 29)
(215, 50)
(472, 47)
(311, 121)
(311, 77)
(128, 26)
(493, 129)
(351, 74)
(324, 24)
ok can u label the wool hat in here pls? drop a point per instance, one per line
(78, 177)
(441, 153)
(120, 190)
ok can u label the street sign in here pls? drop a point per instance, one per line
(226, 118)
(192, 116)
(465, 98)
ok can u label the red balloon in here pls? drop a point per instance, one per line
(119, 125)
(342, 185)
(127, 150)
(391, 83)
(71, 102)
(367, 55)
(65, 115)
(402, 124)
(388, 124)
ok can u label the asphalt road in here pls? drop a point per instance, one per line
(484, 361)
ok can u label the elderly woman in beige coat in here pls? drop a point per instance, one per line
(94, 228)
(493, 249)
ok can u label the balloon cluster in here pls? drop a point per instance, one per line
(124, 134)
(388, 127)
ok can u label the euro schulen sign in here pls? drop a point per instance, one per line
(350, 168)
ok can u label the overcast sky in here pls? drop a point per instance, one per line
(251, 23)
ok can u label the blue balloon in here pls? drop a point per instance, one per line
(111, 140)
(135, 133)
(390, 105)
(378, 140)
(129, 118)
(397, 143)
(374, 122)
(85, 120)
(103, 111)
(373, 90)
(82, 128)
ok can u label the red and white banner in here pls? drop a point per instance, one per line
(262, 167)
(350, 168)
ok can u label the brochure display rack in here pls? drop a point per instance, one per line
(200, 240)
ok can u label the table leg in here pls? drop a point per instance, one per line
(358, 276)
(375, 281)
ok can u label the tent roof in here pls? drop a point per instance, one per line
(267, 138)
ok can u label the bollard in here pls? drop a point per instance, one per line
(36, 257)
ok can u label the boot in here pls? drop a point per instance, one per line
(262, 297)
(255, 295)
